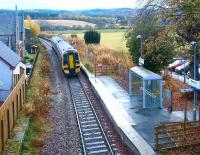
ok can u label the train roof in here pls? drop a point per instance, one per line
(56, 39)
(62, 44)
(66, 46)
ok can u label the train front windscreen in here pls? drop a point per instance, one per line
(65, 59)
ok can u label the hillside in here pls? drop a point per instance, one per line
(45, 13)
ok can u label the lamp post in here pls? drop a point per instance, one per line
(141, 61)
(140, 37)
(194, 46)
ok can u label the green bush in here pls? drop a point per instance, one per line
(74, 36)
(28, 58)
(92, 37)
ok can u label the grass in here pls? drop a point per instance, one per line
(83, 31)
(33, 140)
(13, 145)
(113, 39)
(37, 105)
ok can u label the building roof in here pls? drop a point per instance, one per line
(8, 24)
(145, 74)
(8, 55)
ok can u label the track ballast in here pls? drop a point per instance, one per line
(94, 140)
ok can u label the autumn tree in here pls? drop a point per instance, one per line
(147, 27)
(35, 28)
(158, 51)
(184, 19)
(185, 16)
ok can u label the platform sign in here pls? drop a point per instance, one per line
(186, 90)
(194, 83)
(141, 61)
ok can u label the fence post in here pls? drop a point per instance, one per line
(157, 141)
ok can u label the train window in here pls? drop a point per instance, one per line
(76, 57)
(65, 59)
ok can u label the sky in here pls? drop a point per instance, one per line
(67, 4)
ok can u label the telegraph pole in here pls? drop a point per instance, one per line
(194, 46)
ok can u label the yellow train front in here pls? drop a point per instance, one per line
(67, 55)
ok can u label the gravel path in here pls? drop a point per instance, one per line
(64, 139)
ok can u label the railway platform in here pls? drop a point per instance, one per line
(134, 124)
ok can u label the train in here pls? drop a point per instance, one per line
(67, 55)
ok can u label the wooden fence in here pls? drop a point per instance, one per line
(105, 69)
(108, 69)
(177, 135)
(10, 110)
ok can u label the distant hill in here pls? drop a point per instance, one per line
(110, 12)
(42, 13)
(101, 18)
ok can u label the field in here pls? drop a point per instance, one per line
(67, 23)
(110, 38)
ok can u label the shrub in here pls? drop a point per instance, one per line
(74, 36)
(92, 37)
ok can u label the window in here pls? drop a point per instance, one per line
(65, 59)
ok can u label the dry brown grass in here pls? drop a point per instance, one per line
(91, 54)
(38, 104)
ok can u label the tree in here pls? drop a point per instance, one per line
(185, 16)
(145, 26)
(35, 28)
(159, 51)
(92, 37)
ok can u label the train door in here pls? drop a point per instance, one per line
(71, 61)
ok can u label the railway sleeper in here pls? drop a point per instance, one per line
(98, 152)
(90, 129)
(96, 147)
(93, 133)
(90, 125)
(93, 138)
(87, 122)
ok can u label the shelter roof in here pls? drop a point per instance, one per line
(145, 74)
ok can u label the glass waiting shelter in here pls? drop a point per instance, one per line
(146, 85)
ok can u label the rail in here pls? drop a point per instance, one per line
(94, 140)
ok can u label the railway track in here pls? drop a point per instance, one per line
(94, 140)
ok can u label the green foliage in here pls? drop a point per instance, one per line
(185, 16)
(147, 27)
(188, 23)
(92, 37)
(31, 137)
(159, 51)
(28, 58)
